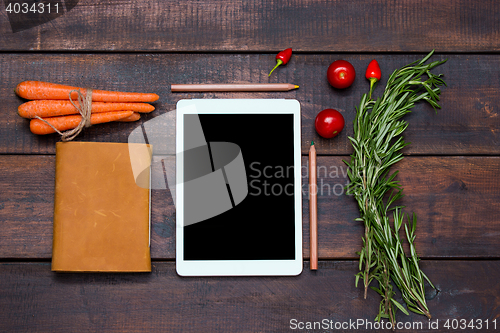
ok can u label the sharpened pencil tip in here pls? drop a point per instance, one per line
(296, 86)
(312, 143)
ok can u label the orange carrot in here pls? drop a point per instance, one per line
(53, 108)
(134, 117)
(46, 90)
(64, 123)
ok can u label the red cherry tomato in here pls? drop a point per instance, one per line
(329, 123)
(341, 74)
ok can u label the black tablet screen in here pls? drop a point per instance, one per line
(259, 225)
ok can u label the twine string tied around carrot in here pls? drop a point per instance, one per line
(84, 107)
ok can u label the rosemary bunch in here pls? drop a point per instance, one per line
(377, 144)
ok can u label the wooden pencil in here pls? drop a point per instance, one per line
(233, 87)
(313, 209)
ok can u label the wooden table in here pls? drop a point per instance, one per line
(450, 175)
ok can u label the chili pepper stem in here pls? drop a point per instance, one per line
(278, 62)
(373, 80)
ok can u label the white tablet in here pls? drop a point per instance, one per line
(238, 187)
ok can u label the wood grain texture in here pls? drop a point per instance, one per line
(468, 123)
(33, 297)
(264, 25)
(457, 201)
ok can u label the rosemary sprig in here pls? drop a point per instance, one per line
(377, 144)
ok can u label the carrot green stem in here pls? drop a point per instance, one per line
(278, 62)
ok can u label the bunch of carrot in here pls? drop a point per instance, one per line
(51, 103)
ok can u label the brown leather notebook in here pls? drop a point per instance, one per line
(101, 214)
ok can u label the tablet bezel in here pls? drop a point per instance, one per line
(237, 267)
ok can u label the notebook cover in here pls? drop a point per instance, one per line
(101, 215)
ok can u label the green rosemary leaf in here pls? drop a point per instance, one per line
(427, 279)
(400, 307)
(377, 143)
(426, 57)
(377, 290)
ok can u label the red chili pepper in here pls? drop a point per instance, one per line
(282, 58)
(373, 74)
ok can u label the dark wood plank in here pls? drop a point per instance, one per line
(456, 200)
(34, 297)
(467, 124)
(325, 25)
